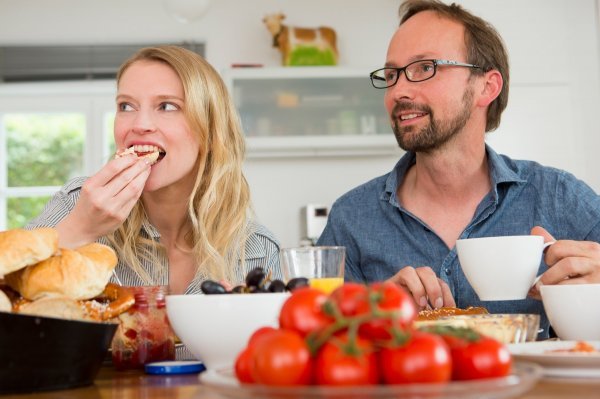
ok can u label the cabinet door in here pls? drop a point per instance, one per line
(314, 110)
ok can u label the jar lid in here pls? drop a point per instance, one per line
(175, 367)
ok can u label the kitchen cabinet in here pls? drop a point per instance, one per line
(310, 111)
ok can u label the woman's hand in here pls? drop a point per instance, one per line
(105, 202)
(427, 290)
(569, 262)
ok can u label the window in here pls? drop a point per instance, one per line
(49, 133)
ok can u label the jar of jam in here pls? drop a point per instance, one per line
(144, 334)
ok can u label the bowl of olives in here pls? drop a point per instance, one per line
(215, 326)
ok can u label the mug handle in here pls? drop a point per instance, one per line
(546, 245)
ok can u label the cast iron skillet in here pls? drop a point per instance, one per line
(42, 353)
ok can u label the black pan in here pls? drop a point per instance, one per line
(42, 353)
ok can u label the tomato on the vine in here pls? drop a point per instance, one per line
(343, 361)
(481, 357)
(349, 297)
(243, 366)
(302, 311)
(389, 298)
(281, 358)
(423, 358)
(244, 361)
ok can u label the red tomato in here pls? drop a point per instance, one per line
(245, 359)
(302, 311)
(341, 362)
(394, 299)
(348, 297)
(243, 366)
(281, 358)
(262, 331)
(483, 357)
(424, 358)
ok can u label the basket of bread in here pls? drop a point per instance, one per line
(56, 311)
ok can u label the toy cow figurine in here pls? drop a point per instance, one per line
(302, 46)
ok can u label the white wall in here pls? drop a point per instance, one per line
(552, 118)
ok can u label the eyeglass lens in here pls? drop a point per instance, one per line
(415, 72)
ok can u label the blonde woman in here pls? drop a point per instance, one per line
(184, 217)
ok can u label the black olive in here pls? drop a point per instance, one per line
(256, 277)
(277, 286)
(239, 289)
(297, 282)
(212, 287)
(257, 290)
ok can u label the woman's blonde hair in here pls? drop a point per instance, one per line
(220, 200)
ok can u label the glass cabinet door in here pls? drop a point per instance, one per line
(310, 107)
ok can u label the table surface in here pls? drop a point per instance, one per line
(135, 384)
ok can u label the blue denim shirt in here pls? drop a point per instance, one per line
(381, 237)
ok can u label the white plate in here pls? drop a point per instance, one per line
(524, 377)
(559, 364)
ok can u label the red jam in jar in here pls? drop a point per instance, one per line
(144, 334)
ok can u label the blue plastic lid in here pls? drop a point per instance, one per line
(175, 367)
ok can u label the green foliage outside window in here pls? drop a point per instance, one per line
(21, 210)
(42, 150)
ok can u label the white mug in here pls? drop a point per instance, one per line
(501, 268)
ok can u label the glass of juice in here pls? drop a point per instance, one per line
(322, 266)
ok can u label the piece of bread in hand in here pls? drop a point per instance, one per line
(151, 156)
(77, 274)
(20, 248)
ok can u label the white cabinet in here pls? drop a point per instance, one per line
(310, 111)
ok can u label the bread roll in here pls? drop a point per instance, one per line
(5, 305)
(80, 274)
(59, 307)
(20, 248)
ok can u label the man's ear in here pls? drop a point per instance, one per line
(492, 86)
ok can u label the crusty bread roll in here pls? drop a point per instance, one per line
(59, 307)
(5, 305)
(20, 248)
(77, 274)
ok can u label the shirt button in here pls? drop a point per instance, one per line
(448, 271)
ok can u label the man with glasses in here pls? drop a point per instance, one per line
(446, 81)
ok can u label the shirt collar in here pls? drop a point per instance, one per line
(500, 172)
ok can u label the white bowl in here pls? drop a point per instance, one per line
(215, 328)
(573, 310)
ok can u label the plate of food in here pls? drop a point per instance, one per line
(523, 377)
(571, 359)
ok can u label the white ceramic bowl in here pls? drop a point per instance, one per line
(215, 328)
(573, 310)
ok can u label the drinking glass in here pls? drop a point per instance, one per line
(322, 266)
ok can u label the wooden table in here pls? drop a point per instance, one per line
(134, 385)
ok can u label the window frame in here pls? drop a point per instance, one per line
(93, 99)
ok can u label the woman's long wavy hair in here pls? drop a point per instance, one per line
(219, 203)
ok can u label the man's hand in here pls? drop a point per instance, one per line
(105, 202)
(427, 290)
(569, 262)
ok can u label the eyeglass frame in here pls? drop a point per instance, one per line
(435, 63)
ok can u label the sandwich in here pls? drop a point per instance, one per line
(42, 279)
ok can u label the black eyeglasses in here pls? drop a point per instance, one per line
(417, 71)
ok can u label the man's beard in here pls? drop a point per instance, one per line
(436, 133)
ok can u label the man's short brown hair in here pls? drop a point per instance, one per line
(484, 45)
